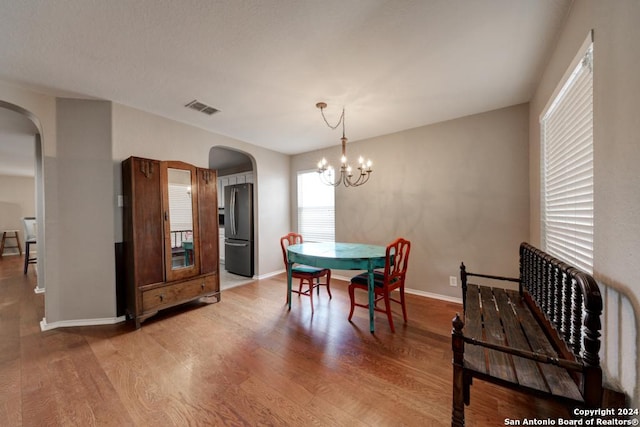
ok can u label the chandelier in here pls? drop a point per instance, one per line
(326, 171)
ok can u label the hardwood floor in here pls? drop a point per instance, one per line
(243, 361)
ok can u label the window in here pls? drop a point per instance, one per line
(567, 167)
(316, 209)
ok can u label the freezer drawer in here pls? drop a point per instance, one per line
(238, 257)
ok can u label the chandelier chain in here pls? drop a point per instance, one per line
(340, 120)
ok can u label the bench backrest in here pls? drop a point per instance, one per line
(566, 300)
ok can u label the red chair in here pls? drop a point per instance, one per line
(309, 275)
(395, 270)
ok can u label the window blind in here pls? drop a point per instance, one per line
(180, 207)
(567, 151)
(316, 209)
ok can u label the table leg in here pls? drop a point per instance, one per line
(370, 284)
(289, 270)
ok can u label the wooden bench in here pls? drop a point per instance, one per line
(542, 339)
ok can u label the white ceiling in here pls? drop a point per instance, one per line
(393, 65)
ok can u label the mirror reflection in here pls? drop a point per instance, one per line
(180, 218)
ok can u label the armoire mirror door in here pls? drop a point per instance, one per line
(180, 206)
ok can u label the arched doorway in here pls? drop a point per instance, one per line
(22, 155)
(238, 258)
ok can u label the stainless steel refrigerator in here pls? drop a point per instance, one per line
(238, 229)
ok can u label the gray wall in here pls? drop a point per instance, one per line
(82, 247)
(458, 190)
(616, 96)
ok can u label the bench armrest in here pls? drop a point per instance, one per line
(538, 357)
(463, 281)
(464, 274)
(488, 276)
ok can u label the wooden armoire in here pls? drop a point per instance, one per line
(170, 235)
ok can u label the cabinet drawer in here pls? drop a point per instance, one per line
(176, 293)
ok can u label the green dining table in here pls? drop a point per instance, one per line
(339, 256)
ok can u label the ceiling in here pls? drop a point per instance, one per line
(393, 65)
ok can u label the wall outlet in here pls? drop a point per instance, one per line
(453, 281)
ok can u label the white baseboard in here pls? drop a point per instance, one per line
(273, 273)
(434, 296)
(44, 326)
(407, 290)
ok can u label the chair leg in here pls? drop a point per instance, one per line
(311, 293)
(404, 306)
(27, 249)
(387, 305)
(352, 298)
(328, 284)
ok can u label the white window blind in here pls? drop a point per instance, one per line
(180, 207)
(316, 209)
(567, 163)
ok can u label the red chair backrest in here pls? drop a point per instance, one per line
(285, 241)
(397, 260)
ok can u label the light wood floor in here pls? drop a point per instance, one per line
(243, 361)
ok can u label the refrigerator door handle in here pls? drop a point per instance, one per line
(233, 211)
(240, 245)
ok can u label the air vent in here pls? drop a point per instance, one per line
(203, 108)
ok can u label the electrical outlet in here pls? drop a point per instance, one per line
(453, 281)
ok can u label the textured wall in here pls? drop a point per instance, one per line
(83, 175)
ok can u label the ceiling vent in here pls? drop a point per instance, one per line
(203, 108)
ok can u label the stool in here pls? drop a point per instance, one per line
(27, 254)
(9, 234)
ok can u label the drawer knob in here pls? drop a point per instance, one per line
(161, 297)
(202, 285)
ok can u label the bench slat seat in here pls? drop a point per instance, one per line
(499, 363)
(474, 355)
(508, 321)
(526, 371)
(558, 379)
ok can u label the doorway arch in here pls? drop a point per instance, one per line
(39, 185)
(230, 164)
